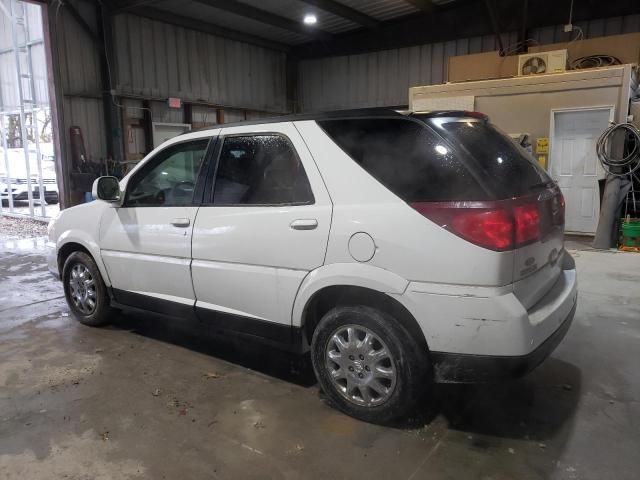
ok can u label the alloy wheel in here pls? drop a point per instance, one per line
(83, 289)
(360, 366)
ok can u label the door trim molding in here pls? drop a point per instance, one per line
(284, 336)
(126, 298)
(231, 311)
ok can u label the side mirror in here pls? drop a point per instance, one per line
(107, 189)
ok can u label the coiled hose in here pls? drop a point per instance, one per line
(619, 166)
(594, 61)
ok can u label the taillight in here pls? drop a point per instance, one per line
(491, 228)
(527, 223)
(497, 225)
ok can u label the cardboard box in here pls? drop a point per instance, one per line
(481, 66)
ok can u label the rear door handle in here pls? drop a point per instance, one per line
(304, 224)
(180, 222)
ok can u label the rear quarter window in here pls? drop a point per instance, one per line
(511, 170)
(407, 157)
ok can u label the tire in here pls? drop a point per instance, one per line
(388, 386)
(88, 302)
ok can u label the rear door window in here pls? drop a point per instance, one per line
(260, 170)
(407, 157)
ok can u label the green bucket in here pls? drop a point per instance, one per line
(631, 233)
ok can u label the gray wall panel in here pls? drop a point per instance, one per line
(160, 60)
(86, 113)
(160, 112)
(590, 29)
(81, 83)
(80, 67)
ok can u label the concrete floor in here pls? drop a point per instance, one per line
(152, 398)
(22, 208)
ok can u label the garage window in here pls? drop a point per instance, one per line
(260, 170)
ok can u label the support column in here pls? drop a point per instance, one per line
(109, 77)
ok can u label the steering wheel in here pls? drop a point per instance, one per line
(182, 189)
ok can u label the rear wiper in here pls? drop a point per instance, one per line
(535, 186)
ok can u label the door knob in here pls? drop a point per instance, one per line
(304, 224)
(180, 222)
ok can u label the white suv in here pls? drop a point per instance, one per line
(397, 249)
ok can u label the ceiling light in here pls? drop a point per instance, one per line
(310, 19)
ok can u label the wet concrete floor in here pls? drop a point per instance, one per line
(155, 398)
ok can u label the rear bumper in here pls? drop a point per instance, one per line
(460, 368)
(475, 334)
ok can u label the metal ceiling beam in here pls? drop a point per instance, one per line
(425, 5)
(344, 11)
(493, 19)
(125, 5)
(200, 26)
(266, 17)
(77, 16)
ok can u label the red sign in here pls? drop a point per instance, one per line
(174, 102)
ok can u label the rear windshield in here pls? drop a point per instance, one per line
(408, 158)
(512, 169)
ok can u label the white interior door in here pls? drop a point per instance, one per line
(574, 165)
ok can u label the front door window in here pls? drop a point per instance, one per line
(169, 179)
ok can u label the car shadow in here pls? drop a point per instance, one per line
(197, 336)
(534, 407)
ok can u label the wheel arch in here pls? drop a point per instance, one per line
(326, 296)
(69, 243)
(66, 250)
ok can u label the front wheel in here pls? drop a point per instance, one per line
(368, 365)
(85, 291)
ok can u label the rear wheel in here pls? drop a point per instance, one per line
(368, 365)
(85, 290)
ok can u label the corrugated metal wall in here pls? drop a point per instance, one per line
(594, 28)
(380, 78)
(157, 60)
(383, 78)
(88, 114)
(80, 77)
(201, 115)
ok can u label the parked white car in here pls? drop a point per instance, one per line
(16, 180)
(398, 249)
(20, 189)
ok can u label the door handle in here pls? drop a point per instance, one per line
(180, 222)
(304, 224)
